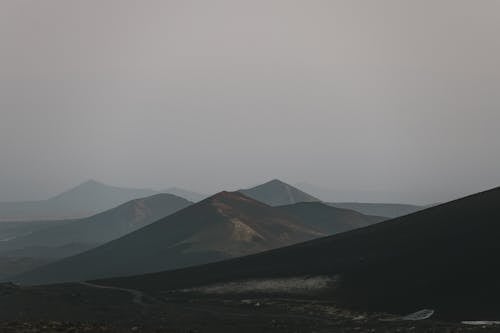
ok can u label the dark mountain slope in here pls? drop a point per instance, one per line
(220, 227)
(278, 193)
(327, 219)
(84, 200)
(444, 258)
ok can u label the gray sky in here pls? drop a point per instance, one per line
(387, 100)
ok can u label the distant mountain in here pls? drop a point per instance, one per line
(223, 226)
(389, 210)
(186, 194)
(75, 236)
(84, 200)
(442, 258)
(278, 193)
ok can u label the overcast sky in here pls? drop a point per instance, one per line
(386, 100)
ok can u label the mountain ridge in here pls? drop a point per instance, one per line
(223, 226)
(277, 193)
(192, 234)
(53, 242)
(86, 199)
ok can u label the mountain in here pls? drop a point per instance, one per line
(186, 194)
(389, 210)
(278, 193)
(76, 236)
(442, 258)
(327, 219)
(84, 200)
(223, 226)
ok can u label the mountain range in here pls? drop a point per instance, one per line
(84, 200)
(223, 226)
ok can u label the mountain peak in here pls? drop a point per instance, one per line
(90, 183)
(278, 193)
(276, 181)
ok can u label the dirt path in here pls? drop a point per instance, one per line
(137, 296)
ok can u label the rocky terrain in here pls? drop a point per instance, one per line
(90, 308)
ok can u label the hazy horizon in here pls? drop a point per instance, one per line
(386, 101)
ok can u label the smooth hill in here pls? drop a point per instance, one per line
(84, 200)
(443, 258)
(278, 193)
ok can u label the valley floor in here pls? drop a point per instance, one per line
(88, 308)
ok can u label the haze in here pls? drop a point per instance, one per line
(384, 100)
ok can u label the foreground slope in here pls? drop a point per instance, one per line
(220, 227)
(86, 199)
(278, 193)
(444, 258)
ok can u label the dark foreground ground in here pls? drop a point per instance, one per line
(89, 308)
